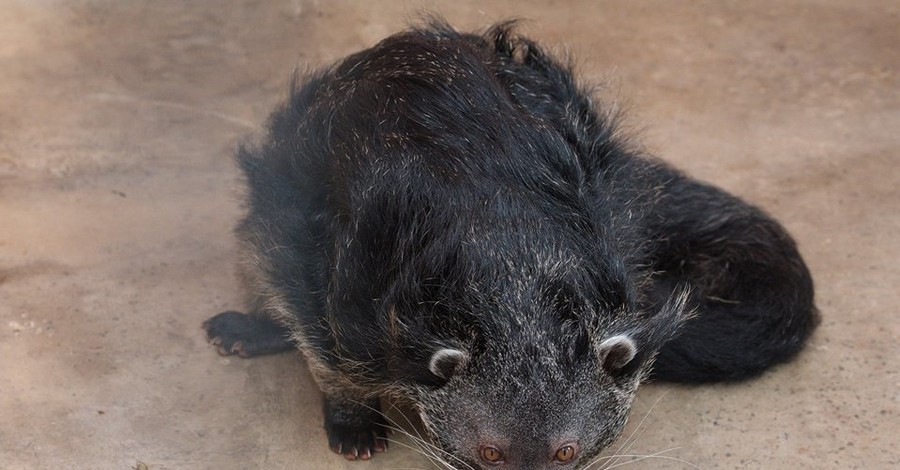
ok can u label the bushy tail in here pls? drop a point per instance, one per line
(733, 341)
(752, 292)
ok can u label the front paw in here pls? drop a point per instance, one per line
(245, 335)
(356, 431)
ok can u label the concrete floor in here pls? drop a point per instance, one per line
(117, 198)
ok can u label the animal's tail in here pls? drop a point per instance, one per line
(733, 341)
(752, 292)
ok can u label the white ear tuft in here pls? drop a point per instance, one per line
(616, 352)
(446, 361)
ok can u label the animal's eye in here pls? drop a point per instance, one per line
(565, 454)
(491, 455)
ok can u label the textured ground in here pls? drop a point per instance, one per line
(117, 195)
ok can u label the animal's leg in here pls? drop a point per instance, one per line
(356, 429)
(246, 335)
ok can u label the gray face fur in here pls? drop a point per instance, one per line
(530, 408)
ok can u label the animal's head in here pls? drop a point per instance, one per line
(549, 396)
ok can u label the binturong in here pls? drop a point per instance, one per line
(450, 218)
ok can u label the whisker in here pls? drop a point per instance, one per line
(420, 440)
(630, 440)
(408, 421)
(433, 452)
(434, 459)
(421, 446)
(656, 455)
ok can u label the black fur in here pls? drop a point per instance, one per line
(247, 336)
(453, 191)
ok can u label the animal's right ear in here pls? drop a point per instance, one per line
(446, 362)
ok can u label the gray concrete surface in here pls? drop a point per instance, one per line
(117, 197)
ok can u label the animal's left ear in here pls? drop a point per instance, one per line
(626, 352)
(616, 352)
(446, 362)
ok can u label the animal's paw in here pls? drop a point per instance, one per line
(356, 431)
(245, 335)
(357, 443)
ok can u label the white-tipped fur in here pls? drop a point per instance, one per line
(617, 351)
(445, 361)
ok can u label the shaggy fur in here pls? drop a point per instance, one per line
(449, 217)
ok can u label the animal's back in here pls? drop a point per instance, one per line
(392, 146)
